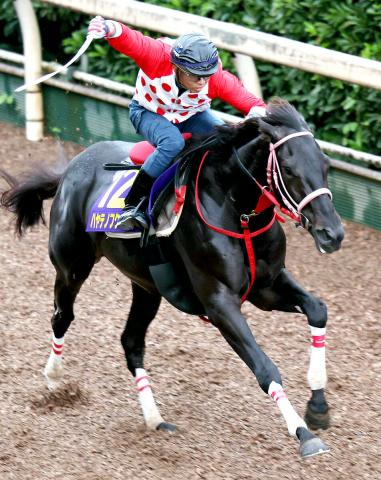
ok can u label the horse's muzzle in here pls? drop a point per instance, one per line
(328, 239)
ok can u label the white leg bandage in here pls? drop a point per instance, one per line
(54, 368)
(151, 413)
(292, 419)
(317, 375)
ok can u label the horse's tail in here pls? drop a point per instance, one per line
(26, 195)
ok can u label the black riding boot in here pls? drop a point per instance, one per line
(135, 203)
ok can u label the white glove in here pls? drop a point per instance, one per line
(97, 27)
(101, 28)
(256, 112)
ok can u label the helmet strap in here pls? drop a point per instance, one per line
(178, 82)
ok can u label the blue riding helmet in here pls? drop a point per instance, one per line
(195, 53)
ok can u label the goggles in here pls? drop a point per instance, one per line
(194, 78)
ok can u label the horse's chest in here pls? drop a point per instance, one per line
(265, 273)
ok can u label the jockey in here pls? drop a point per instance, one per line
(174, 88)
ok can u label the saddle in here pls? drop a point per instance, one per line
(163, 212)
(164, 209)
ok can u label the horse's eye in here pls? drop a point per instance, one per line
(287, 170)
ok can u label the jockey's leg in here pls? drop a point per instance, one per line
(288, 296)
(135, 203)
(143, 310)
(168, 141)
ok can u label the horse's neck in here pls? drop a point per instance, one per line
(228, 187)
(244, 188)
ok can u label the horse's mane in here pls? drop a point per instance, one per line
(282, 113)
(224, 139)
(227, 137)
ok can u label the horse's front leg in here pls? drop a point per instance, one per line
(288, 296)
(223, 309)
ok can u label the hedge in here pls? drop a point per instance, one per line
(339, 112)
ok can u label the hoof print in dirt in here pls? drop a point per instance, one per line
(166, 427)
(66, 396)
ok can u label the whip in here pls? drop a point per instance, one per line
(80, 52)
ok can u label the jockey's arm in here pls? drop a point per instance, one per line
(227, 87)
(145, 51)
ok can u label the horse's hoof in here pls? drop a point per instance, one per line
(317, 421)
(52, 385)
(53, 373)
(166, 427)
(311, 447)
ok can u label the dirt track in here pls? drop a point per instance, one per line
(228, 429)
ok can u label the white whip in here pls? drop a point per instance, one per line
(80, 52)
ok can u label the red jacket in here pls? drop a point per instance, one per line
(156, 87)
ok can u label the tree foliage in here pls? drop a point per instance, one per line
(339, 112)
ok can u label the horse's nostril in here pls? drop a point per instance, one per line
(330, 234)
(324, 234)
(327, 239)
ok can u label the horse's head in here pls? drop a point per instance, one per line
(297, 172)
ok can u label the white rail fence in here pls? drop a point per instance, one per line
(120, 89)
(234, 38)
(237, 39)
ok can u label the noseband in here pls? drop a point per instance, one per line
(275, 182)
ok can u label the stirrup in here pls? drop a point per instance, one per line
(133, 217)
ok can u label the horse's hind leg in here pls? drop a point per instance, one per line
(70, 275)
(288, 296)
(143, 310)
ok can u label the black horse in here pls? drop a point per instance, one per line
(228, 244)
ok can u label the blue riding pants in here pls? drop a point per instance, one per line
(166, 136)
